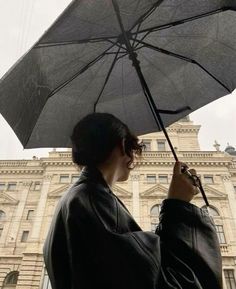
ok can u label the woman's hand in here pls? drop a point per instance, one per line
(181, 186)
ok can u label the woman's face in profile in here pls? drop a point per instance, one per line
(126, 167)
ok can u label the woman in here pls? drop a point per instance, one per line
(94, 242)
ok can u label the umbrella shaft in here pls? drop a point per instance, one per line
(147, 93)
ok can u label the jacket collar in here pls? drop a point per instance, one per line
(93, 174)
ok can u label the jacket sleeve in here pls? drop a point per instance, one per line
(189, 245)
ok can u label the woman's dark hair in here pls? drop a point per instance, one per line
(97, 134)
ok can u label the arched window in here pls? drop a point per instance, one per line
(154, 214)
(11, 280)
(2, 215)
(213, 212)
(155, 210)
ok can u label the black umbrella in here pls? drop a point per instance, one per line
(136, 59)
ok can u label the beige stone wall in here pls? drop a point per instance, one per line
(138, 194)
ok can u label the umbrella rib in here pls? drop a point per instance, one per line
(72, 78)
(90, 40)
(184, 58)
(107, 78)
(92, 62)
(145, 15)
(182, 21)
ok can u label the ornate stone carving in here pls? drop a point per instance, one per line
(134, 177)
(226, 178)
(27, 183)
(47, 178)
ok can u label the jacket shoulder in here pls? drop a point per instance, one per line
(91, 201)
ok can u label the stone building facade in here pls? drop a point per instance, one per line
(30, 190)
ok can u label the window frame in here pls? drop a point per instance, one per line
(9, 278)
(64, 176)
(205, 177)
(154, 218)
(3, 186)
(211, 209)
(220, 234)
(74, 176)
(149, 144)
(2, 216)
(10, 189)
(37, 186)
(148, 178)
(30, 212)
(229, 278)
(161, 176)
(23, 239)
(161, 142)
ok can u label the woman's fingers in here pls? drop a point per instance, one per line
(193, 172)
(179, 168)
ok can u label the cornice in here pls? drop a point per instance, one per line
(19, 171)
(192, 163)
(63, 159)
(58, 163)
(183, 129)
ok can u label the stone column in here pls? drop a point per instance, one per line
(17, 215)
(229, 188)
(136, 204)
(35, 234)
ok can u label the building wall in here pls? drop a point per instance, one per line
(39, 186)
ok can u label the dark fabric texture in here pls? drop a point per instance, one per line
(94, 242)
(186, 50)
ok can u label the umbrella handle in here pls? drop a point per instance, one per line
(197, 183)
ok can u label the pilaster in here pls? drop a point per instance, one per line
(35, 234)
(17, 215)
(136, 203)
(229, 188)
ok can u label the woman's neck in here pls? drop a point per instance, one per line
(109, 173)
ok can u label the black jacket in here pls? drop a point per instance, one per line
(94, 242)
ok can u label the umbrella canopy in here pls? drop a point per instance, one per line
(186, 51)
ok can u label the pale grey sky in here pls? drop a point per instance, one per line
(22, 22)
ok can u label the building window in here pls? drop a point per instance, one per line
(24, 236)
(2, 186)
(64, 179)
(1, 230)
(154, 214)
(2, 216)
(220, 234)
(37, 186)
(30, 215)
(161, 145)
(11, 187)
(151, 179)
(74, 178)
(211, 210)
(163, 179)
(230, 279)
(147, 144)
(11, 280)
(208, 179)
